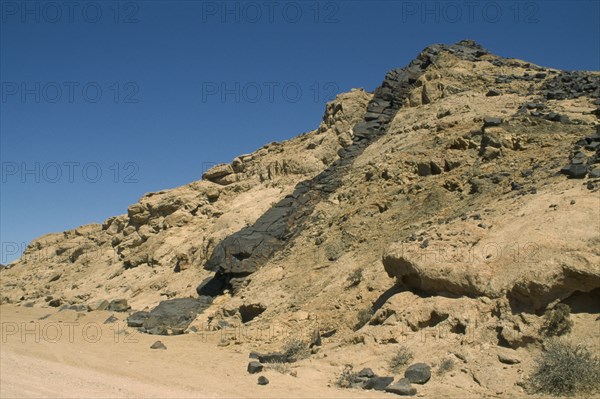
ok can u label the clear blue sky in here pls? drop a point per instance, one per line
(149, 92)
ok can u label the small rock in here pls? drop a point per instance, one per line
(378, 383)
(418, 373)
(488, 121)
(316, 339)
(111, 319)
(402, 388)
(262, 380)
(97, 305)
(158, 345)
(575, 171)
(118, 305)
(508, 359)
(423, 168)
(55, 303)
(435, 168)
(366, 373)
(137, 319)
(493, 93)
(255, 367)
(212, 194)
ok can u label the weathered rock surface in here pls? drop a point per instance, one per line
(418, 373)
(170, 317)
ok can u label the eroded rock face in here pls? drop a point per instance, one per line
(434, 269)
(244, 252)
(469, 181)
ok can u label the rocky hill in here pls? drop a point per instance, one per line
(459, 199)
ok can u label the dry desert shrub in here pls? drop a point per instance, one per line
(565, 369)
(401, 357)
(296, 349)
(363, 317)
(557, 321)
(347, 377)
(446, 365)
(355, 278)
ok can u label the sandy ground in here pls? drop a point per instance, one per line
(76, 355)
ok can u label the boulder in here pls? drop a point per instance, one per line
(137, 319)
(255, 367)
(402, 388)
(366, 373)
(493, 93)
(488, 121)
(212, 194)
(262, 380)
(435, 168)
(378, 383)
(575, 170)
(507, 358)
(594, 173)
(418, 373)
(173, 316)
(423, 168)
(158, 345)
(101, 304)
(56, 302)
(217, 172)
(119, 305)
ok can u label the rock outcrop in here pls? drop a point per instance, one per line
(442, 196)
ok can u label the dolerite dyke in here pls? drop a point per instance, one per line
(242, 253)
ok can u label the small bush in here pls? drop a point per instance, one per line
(565, 369)
(445, 366)
(355, 278)
(347, 378)
(557, 321)
(283, 368)
(296, 349)
(401, 357)
(363, 317)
